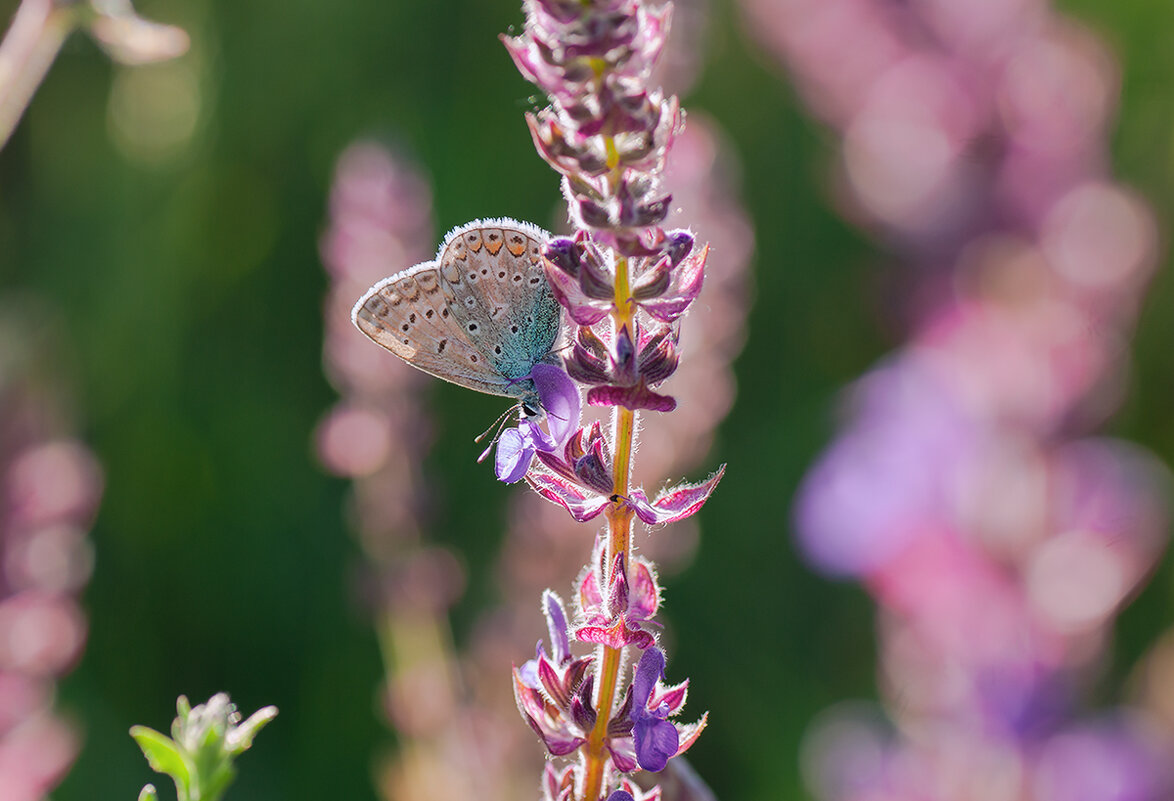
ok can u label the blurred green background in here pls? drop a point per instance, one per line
(178, 242)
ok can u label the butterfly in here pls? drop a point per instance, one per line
(481, 315)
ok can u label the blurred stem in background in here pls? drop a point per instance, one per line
(998, 538)
(50, 485)
(378, 435)
(51, 482)
(40, 27)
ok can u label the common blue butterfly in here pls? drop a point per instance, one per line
(480, 315)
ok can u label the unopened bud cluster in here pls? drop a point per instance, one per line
(608, 135)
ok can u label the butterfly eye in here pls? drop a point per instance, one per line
(528, 409)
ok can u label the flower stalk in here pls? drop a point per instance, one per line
(624, 283)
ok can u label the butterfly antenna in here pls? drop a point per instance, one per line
(496, 429)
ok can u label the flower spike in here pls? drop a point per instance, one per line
(625, 285)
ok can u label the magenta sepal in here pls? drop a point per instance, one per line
(558, 783)
(634, 600)
(553, 143)
(570, 295)
(582, 712)
(636, 398)
(551, 682)
(633, 791)
(676, 504)
(673, 696)
(617, 635)
(535, 69)
(623, 757)
(581, 505)
(684, 287)
(548, 723)
(644, 595)
(653, 31)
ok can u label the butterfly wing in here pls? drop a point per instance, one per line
(409, 315)
(493, 277)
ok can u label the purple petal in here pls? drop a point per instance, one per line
(556, 624)
(528, 674)
(513, 457)
(649, 671)
(656, 741)
(553, 684)
(620, 795)
(678, 245)
(560, 398)
(537, 439)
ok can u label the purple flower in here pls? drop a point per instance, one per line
(582, 491)
(656, 739)
(562, 404)
(641, 735)
(553, 692)
(617, 611)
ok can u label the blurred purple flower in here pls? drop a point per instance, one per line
(997, 544)
(50, 487)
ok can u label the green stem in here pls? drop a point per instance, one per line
(619, 518)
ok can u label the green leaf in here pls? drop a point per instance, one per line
(207, 738)
(148, 793)
(241, 737)
(163, 755)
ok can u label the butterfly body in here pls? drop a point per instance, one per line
(481, 315)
